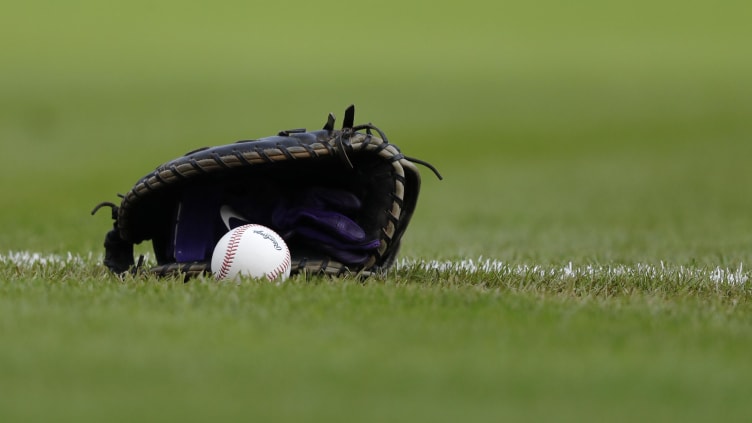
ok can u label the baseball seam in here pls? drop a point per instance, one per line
(281, 268)
(232, 248)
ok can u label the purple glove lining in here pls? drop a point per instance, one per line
(316, 219)
(336, 224)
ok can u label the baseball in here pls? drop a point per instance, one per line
(251, 250)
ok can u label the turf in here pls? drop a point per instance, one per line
(448, 346)
(595, 155)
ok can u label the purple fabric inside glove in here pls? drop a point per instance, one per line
(335, 224)
(316, 217)
(194, 233)
(349, 253)
(322, 198)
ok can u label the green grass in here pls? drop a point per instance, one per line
(572, 136)
(441, 347)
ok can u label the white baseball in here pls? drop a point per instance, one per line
(251, 250)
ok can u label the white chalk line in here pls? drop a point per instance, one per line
(26, 260)
(720, 275)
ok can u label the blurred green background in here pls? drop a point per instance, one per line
(582, 131)
(585, 130)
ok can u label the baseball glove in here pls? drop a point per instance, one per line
(341, 199)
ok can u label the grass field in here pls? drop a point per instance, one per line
(585, 259)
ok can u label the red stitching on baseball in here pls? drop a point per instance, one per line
(232, 247)
(281, 268)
